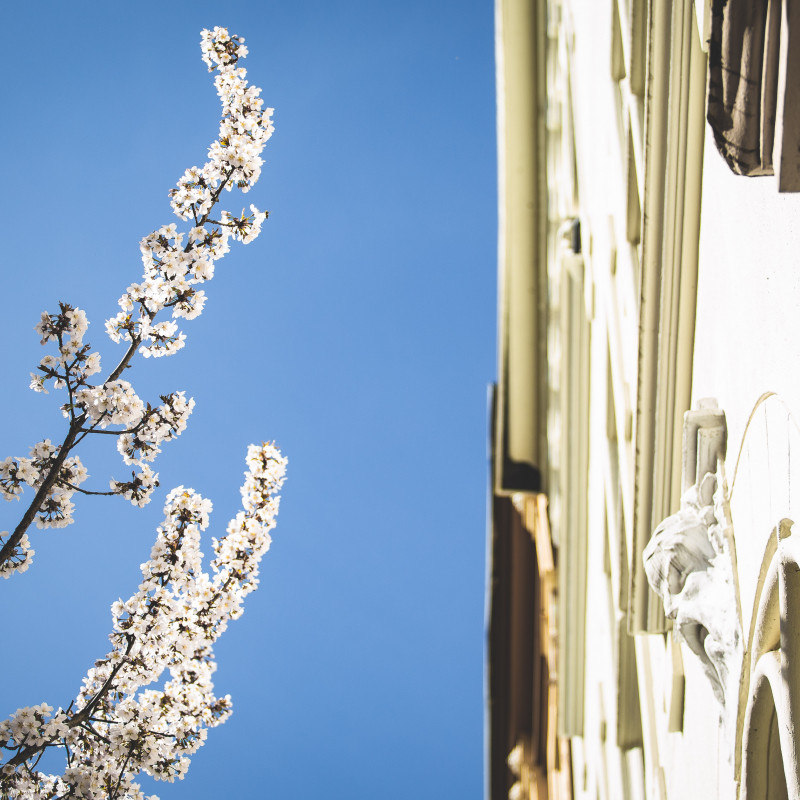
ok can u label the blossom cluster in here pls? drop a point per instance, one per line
(74, 362)
(139, 488)
(246, 125)
(113, 403)
(122, 723)
(56, 506)
(21, 556)
(34, 725)
(175, 264)
(14, 472)
(157, 425)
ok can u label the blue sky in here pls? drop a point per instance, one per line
(357, 332)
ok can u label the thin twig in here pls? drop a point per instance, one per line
(85, 491)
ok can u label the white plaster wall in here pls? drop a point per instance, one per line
(748, 310)
(747, 342)
(696, 760)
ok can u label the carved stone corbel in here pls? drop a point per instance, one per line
(690, 560)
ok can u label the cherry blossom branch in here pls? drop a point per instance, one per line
(171, 623)
(117, 727)
(173, 268)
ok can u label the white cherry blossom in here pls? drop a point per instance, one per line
(175, 264)
(169, 625)
(147, 705)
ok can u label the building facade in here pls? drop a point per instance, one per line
(644, 558)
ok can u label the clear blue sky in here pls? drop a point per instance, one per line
(357, 331)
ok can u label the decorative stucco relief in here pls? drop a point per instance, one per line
(767, 756)
(767, 765)
(690, 561)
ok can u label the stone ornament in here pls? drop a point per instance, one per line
(690, 561)
(769, 702)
